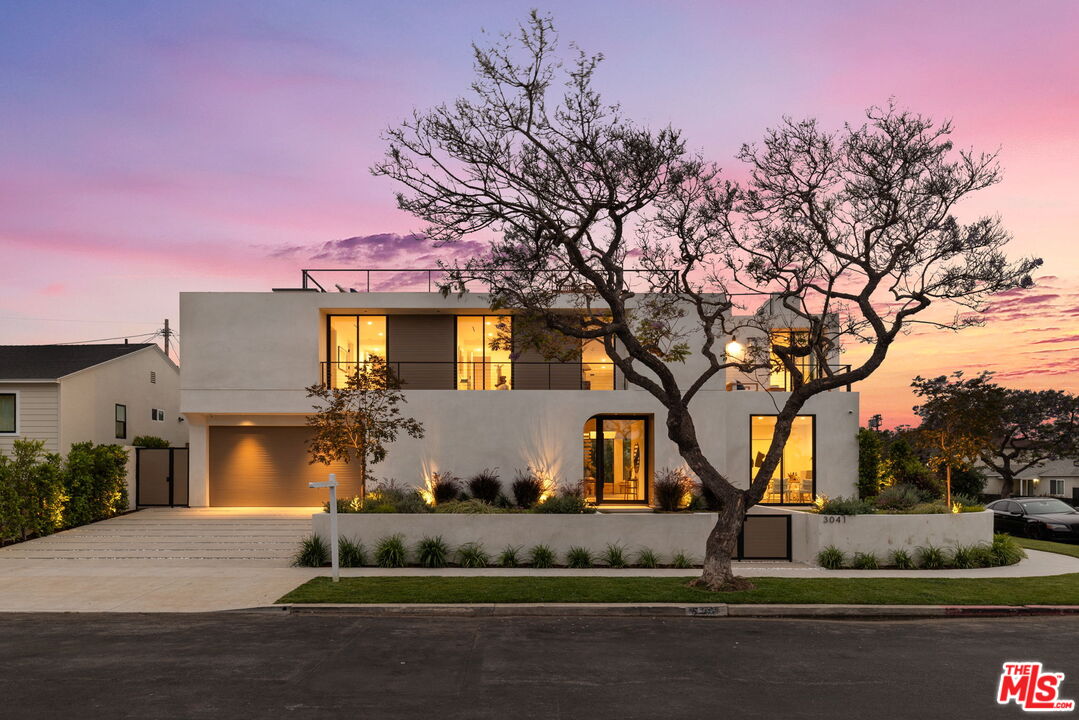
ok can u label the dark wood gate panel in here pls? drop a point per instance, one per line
(765, 537)
(161, 477)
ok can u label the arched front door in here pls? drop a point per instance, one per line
(617, 461)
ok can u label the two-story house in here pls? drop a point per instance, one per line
(249, 355)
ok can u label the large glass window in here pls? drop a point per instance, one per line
(616, 462)
(597, 370)
(793, 482)
(7, 413)
(479, 365)
(780, 377)
(353, 340)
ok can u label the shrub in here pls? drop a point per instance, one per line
(579, 557)
(527, 488)
(390, 551)
(681, 561)
(646, 558)
(445, 487)
(566, 501)
(510, 556)
(353, 504)
(472, 555)
(969, 483)
(864, 561)
(1005, 550)
(32, 491)
(95, 480)
(902, 560)
(931, 557)
(468, 507)
(541, 556)
(432, 552)
(388, 496)
(845, 506)
(831, 558)
(898, 498)
(964, 557)
(929, 508)
(313, 552)
(485, 486)
(870, 462)
(614, 556)
(350, 553)
(149, 441)
(671, 488)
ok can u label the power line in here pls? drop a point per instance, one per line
(146, 336)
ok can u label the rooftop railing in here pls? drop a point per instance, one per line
(406, 279)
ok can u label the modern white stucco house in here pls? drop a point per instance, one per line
(64, 394)
(249, 355)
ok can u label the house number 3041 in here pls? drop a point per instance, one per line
(835, 519)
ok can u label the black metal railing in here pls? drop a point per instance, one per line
(786, 385)
(428, 279)
(488, 375)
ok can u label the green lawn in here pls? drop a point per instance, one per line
(1058, 590)
(1054, 590)
(1047, 546)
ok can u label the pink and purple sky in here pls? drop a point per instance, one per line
(150, 148)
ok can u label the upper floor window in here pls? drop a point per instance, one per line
(120, 415)
(780, 377)
(8, 403)
(352, 340)
(794, 479)
(483, 355)
(597, 370)
(157, 415)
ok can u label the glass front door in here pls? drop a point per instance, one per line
(616, 462)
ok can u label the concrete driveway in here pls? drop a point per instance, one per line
(159, 560)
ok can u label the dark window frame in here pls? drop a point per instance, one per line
(331, 361)
(782, 472)
(121, 425)
(649, 474)
(14, 414)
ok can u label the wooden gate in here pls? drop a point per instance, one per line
(161, 477)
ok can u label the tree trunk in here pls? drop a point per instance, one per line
(1007, 483)
(717, 575)
(948, 485)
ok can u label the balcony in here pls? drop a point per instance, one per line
(490, 375)
(778, 382)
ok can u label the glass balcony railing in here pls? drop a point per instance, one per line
(489, 375)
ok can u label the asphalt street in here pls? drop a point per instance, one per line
(273, 665)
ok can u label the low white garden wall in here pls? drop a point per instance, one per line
(664, 533)
(881, 534)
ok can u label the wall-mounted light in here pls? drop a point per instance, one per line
(735, 349)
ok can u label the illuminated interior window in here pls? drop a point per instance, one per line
(792, 482)
(354, 339)
(616, 462)
(780, 377)
(479, 365)
(597, 370)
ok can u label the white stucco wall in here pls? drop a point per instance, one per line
(881, 534)
(248, 357)
(88, 399)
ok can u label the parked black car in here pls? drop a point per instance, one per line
(1043, 518)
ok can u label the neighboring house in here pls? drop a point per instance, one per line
(64, 394)
(249, 355)
(1057, 478)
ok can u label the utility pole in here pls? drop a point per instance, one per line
(166, 333)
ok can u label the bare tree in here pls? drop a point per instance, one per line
(849, 233)
(355, 423)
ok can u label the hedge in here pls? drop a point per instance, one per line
(43, 492)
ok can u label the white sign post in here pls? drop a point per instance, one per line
(335, 561)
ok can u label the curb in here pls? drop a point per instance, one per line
(675, 610)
